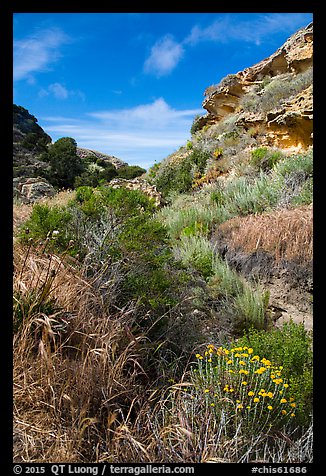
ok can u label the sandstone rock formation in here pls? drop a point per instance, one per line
(286, 124)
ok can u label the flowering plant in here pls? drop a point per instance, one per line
(237, 383)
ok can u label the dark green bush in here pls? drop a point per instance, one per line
(130, 172)
(174, 177)
(65, 164)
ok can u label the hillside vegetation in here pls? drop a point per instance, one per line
(174, 333)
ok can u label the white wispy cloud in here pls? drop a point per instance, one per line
(59, 91)
(37, 52)
(164, 56)
(138, 135)
(225, 29)
(154, 115)
(167, 53)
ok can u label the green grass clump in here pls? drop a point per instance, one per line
(195, 252)
(243, 302)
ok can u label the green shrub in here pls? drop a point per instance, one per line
(189, 145)
(96, 173)
(48, 223)
(174, 177)
(264, 158)
(291, 347)
(199, 158)
(130, 172)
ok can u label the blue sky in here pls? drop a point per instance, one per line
(130, 84)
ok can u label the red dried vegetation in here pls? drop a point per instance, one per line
(286, 234)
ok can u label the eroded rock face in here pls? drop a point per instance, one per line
(289, 124)
(31, 189)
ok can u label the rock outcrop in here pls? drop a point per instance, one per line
(29, 141)
(288, 121)
(82, 152)
(31, 189)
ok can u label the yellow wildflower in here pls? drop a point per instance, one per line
(244, 383)
(206, 390)
(260, 370)
(270, 407)
(256, 399)
(250, 350)
(283, 412)
(251, 393)
(283, 400)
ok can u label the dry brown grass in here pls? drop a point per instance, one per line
(21, 213)
(76, 369)
(286, 234)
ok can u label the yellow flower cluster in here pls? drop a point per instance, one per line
(232, 364)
